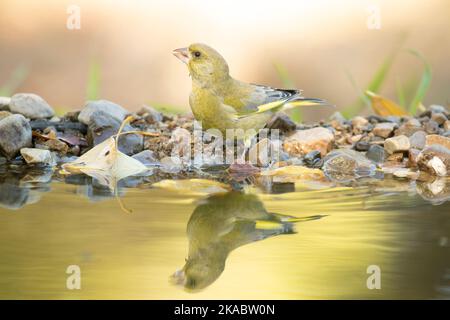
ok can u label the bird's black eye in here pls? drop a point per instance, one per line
(197, 54)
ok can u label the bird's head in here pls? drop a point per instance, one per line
(205, 64)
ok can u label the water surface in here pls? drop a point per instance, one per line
(237, 245)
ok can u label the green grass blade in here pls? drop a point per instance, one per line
(374, 85)
(401, 96)
(288, 83)
(93, 82)
(18, 76)
(423, 85)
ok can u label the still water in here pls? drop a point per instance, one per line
(300, 242)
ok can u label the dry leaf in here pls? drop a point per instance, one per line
(194, 186)
(385, 107)
(106, 163)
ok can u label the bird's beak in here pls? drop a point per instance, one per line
(182, 54)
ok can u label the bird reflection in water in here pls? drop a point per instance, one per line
(220, 224)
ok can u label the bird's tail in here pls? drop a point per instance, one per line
(303, 102)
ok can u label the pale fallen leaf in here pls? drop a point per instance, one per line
(385, 107)
(193, 186)
(106, 163)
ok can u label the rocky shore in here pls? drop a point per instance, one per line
(416, 148)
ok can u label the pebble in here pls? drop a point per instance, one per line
(437, 108)
(384, 129)
(151, 115)
(362, 146)
(4, 114)
(304, 141)
(431, 127)
(397, 144)
(347, 164)
(112, 109)
(447, 125)
(282, 122)
(376, 154)
(417, 140)
(31, 106)
(413, 154)
(15, 135)
(437, 139)
(103, 126)
(313, 159)
(32, 155)
(146, 157)
(440, 118)
(263, 153)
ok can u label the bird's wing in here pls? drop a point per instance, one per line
(266, 98)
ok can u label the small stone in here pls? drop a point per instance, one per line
(347, 164)
(435, 159)
(376, 153)
(146, 157)
(359, 122)
(312, 159)
(15, 134)
(413, 122)
(282, 122)
(362, 146)
(4, 103)
(405, 173)
(103, 125)
(151, 115)
(31, 106)
(417, 140)
(32, 156)
(263, 153)
(447, 125)
(304, 141)
(440, 118)
(113, 110)
(431, 127)
(56, 145)
(171, 164)
(413, 154)
(437, 108)
(395, 157)
(437, 139)
(397, 144)
(384, 129)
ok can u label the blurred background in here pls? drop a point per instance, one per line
(122, 51)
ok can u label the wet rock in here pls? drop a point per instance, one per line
(113, 110)
(4, 103)
(376, 154)
(362, 146)
(417, 140)
(439, 118)
(346, 164)
(103, 126)
(409, 127)
(32, 156)
(384, 129)
(146, 157)
(282, 122)
(54, 145)
(313, 159)
(397, 144)
(438, 140)
(304, 141)
(42, 124)
(435, 159)
(31, 106)
(15, 134)
(395, 157)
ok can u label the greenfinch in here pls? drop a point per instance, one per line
(219, 101)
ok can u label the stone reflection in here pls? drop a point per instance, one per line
(220, 224)
(19, 188)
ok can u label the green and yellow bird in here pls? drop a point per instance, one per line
(219, 101)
